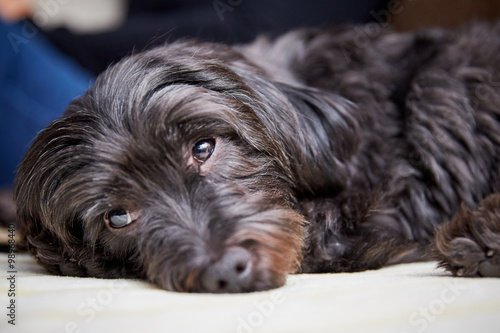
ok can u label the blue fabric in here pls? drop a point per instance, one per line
(36, 84)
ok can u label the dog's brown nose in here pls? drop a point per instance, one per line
(231, 273)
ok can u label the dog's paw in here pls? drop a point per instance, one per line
(465, 257)
(469, 245)
(491, 265)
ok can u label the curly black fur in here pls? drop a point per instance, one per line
(330, 155)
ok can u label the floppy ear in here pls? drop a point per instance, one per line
(312, 133)
(52, 229)
(330, 137)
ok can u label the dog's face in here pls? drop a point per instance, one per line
(178, 167)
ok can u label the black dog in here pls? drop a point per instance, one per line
(206, 168)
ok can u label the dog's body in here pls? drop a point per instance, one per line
(206, 168)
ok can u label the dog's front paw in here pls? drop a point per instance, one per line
(491, 265)
(469, 245)
(465, 257)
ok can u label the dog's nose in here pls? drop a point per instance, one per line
(232, 273)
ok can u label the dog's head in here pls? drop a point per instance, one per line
(182, 165)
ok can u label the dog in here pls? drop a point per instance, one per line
(203, 167)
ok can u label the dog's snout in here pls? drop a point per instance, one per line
(231, 273)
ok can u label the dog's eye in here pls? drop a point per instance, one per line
(203, 149)
(119, 218)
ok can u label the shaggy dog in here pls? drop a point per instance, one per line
(207, 168)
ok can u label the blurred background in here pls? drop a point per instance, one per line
(52, 50)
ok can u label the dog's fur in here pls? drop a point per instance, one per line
(336, 149)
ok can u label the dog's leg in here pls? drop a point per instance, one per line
(469, 245)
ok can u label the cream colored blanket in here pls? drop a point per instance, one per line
(405, 298)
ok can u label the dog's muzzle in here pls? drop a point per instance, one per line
(231, 273)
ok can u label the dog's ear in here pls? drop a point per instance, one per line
(312, 134)
(46, 219)
(329, 137)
